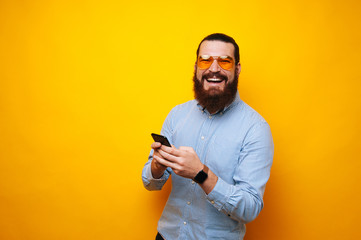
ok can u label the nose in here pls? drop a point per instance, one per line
(215, 66)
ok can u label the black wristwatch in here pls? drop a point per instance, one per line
(201, 175)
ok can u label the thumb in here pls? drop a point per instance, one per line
(186, 149)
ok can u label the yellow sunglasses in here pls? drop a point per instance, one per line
(205, 61)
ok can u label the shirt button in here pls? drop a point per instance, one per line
(212, 202)
(188, 203)
(202, 137)
(193, 182)
(184, 223)
(210, 117)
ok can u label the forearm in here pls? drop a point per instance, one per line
(210, 182)
(240, 202)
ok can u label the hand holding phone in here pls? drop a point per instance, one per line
(162, 139)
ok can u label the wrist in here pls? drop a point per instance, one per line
(202, 175)
(157, 170)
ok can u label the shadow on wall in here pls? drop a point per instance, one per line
(159, 199)
(268, 224)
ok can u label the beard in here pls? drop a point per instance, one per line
(214, 100)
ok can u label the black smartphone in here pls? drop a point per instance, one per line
(162, 139)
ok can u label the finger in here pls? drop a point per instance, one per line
(156, 152)
(156, 145)
(156, 162)
(168, 156)
(157, 158)
(164, 162)
(170, 150)
(187, 149)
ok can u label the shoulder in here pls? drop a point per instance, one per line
(245, 114)
(247, 121)
(183, 108)
(250, 126)
(250, 113)
(179, 112)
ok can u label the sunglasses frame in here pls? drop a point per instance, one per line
(217, 58)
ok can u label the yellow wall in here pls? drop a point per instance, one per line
(84, 83)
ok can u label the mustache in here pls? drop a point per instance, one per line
(214, 75)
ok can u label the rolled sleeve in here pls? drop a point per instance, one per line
(219, 195)
(149, 182)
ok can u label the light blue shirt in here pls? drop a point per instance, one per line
(236, 144)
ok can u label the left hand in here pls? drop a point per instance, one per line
(183, 161)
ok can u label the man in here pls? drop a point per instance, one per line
(220, 157)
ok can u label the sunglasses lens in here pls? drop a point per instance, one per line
(204, 62)
(225, 63)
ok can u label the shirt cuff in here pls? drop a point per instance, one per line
(155, 183)
(218, 197)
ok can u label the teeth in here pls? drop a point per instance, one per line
(214, 79)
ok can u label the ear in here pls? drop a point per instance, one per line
(238, 68)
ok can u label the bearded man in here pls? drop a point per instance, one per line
(221, 153)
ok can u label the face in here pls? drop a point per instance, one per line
(215, 87)
(214, 79)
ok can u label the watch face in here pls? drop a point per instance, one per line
(200, 177)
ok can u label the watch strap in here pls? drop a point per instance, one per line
(202, 175)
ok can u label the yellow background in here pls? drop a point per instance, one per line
(84, 83)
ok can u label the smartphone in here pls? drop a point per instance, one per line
(162, 139)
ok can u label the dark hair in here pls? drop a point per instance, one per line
(223, 38)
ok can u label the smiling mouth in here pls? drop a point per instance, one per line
(214, 80)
